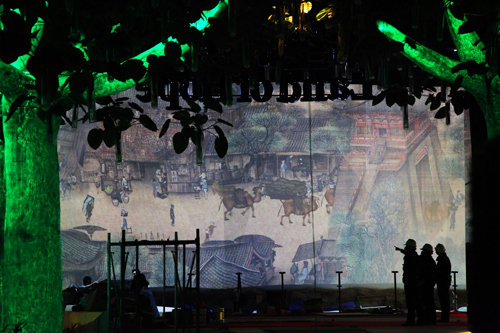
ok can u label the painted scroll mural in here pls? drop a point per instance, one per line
(306, 188)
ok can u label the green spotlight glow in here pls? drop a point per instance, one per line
(202, 23)
(469, 46)
(440, 66)
(432, 62)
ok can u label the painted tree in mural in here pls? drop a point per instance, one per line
(350, 232)
(334, 140)
(451, 165)
(263, 132)
(388, 214)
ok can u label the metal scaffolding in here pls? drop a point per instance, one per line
(181, 286)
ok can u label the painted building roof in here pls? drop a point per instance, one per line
(324, 248)
(218, 273)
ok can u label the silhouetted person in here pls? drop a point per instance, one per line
(87, 281)
(411, 283)
(443, 281)
(139, 282)
(428, 276)
(140, 287)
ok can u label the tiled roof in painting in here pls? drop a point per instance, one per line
(240, 252)
(302, 124)
(237, 253)
(325, 248)
(217, 273)
(297, 142)
(216, 243)
(79, 252)
(252, 238)
(263, 249)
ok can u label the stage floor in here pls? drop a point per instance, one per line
(330, 322)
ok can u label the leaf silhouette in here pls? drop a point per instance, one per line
(164, 128)
(148, 123)
(180, 142)
(94, 138)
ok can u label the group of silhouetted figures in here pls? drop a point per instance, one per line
(93, 297)
(420, 274)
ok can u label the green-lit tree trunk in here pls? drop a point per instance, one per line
(2, 212)
(32, 241)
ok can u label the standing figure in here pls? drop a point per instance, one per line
(155, 187)
(455, 202)
(172, 214)
(453, 211)
(211, 228)
(66, 190)
(443, 281)
(320, 183)
(124, 215)
(428, 278)
(294, 270)
(308, 194)
(283, 169)
(411, 283)
(207, 235)
(164, 183)
(88, 207)
(459, 197)
(303, 274)
(97, 182)
(125, 184)
(204, 186)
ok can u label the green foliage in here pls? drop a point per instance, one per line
(263, 132)
(452, 166)
(367, 245)
(334, 140)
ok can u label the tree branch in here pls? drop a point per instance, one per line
(432, 62)
(21, 62)
(104, 88)
(465, 43)
(12, 81)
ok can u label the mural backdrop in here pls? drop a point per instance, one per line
(306, 188)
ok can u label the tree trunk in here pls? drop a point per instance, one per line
(32, 241)
(490, 106)
(2, 211)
